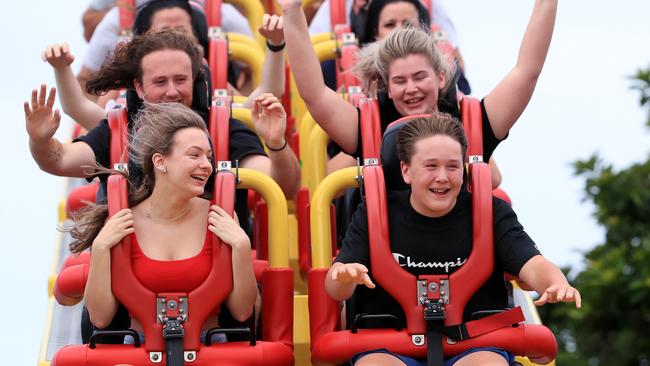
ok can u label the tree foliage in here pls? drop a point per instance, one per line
(613, 327)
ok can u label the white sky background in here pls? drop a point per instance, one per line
(582, 104)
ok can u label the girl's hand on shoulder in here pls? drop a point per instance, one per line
(272, 29)
(114, 230)
(58, 55)
(355, 273)
(226, 228)
(560, 293)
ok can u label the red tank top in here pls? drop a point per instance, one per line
(182, 275)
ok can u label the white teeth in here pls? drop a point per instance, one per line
(414, 101)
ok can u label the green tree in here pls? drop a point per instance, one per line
(613, 327)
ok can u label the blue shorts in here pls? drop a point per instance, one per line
(409, 361)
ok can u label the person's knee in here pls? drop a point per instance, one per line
(379, 359)
(482, 358)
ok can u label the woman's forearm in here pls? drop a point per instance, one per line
(244, 292)
(98, 295)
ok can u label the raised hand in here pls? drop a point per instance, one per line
(270, 120)
(114, 230)
(40, 121)
(272, 29)
(58, 55)
(348, 273)
(560, 293)
(226, 228)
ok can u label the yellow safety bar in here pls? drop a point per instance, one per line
(277, 206)
(326, 50)
(317, 165)
(251, 56)
(241, 38)
(254, 12)
(244, 116)
(322, 37)
(321, 240)
(304, 131)
(239, 99)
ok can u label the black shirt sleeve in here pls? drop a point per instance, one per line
(513, 247)
(243, 141)
(355, 248)
(490, 142)
(99, 140)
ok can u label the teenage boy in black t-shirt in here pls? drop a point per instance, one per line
(430, 229)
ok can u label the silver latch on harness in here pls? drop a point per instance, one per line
(166, 307)
(424, 287)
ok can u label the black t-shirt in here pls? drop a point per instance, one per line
(243, 142)
(425, 245)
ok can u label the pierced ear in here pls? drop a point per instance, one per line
(405, 172)
(158, 161)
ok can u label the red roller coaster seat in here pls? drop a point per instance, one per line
(502, 330)
(80, 196)
(276, 347)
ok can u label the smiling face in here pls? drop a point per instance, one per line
(413, 85)
(172, 18)
(166, 77)
(435, 174)
(394, 15)
(188, 166)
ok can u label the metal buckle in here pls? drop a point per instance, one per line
(122, 167)
(224, 165)
(475, 159)
(434, 310)
(215, 33)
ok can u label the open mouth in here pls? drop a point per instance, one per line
(413, 101)
(200, 178)
(439, 191)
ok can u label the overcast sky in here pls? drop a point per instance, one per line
(582, 105)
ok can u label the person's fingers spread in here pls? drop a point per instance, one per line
(34, 96)
(41, 95)
(51, 97)
(28, 111)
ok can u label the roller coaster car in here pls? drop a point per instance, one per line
(172, 321)
(433, 304)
